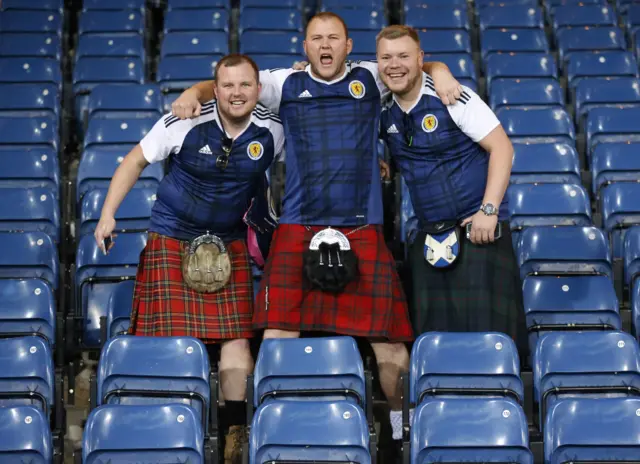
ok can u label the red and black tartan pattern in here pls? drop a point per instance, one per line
(163, 305)
(372, 306)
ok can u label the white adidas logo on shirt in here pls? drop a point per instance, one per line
(205, 150)
(305, 94)
(392, 129)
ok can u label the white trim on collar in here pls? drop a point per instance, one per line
(322, 81)
(422, 92)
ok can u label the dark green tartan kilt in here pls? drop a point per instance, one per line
(480, 292)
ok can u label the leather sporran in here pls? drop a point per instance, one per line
(206, 266)
(329, 262)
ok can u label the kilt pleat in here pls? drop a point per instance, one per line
(372, 306)
(163, 305)
(481, 292)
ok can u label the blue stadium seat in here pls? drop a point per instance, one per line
(520, 65)
(31, 21)
(554, 303)
(511, 16)
(117, 21)
(29, 255)
(614, 162)
(633, 19)
(198, 4)
(125, 132)
(443, 41)
(54, 5)
(97, 275)
(132, 215)
(98, 164)
(563, 251)
(111, 45)
(602, 92)
(117, 101)
(364, 45)
(329, 367)
(269, 19)
(632, 256)
(30, 209)
(513, 40)
(113, 5)
(30, 168)
(159, 433)
(27, 308)
(91, 71)
(275, 61)
(30, 70)
(620, 210)
(613, 63)
(452, 364)
(584, 364)
(196, 20)
(482, 4)
(545, 163)
(361, 19)
(25, 436)
(119, 310)
(154, 371)
(195, 43)
(176, 73)
(432, 3)
(470, 429)
(589, 39)
(356, 4)
(461, 66)
(29, 100)
(592, 430)
(611, 125)
(271, 42)
(313, 431)
(438, 17)
(532, 123)
(29, 131)
(583, 15)
(20, 44)
(526, 92)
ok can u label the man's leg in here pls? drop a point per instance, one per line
(277, 333)
(235, 364)
(392, 360)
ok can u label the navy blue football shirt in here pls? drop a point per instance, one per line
(196, 196)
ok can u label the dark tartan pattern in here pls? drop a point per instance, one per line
(481, 292)
(372, 306)
(163, 305)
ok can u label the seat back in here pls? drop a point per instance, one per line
(119, 309)
(30, 209)
(526, 92)
(614, 63)
(180, 72)
(611, 125)
(614, 162)
(115, 21)
(90, 71)
(31, 21)
(132, 215)
(632, 255)
(453, 364)
(369, 18)
(45, 45)
(537, 124)
(510, 16)
(195, 43)
(37, 168)
(520, 65)
(620, 210)
(545, 163)
(513, 40)
(162, 433)
(25, 436)
(27, 307)
(271, 42)
(439, 17)
(29, 99)
(30, 255)
(125, 131)
(443, 41)
(25, 132)
(210, 19)
(111, 45)
(589, 39)
(583, 15)
(606, 92)
(266, 19)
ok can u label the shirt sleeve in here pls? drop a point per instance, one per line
(372, 67)
(278, 134)
(473, 116)
(272, 81)
(167, 136)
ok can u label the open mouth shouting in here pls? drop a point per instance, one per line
(326, 59)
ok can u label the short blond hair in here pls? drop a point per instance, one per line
(398, 31)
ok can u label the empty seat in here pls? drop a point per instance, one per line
(554, 303)
(195, 43)
(54, 5)
(314, 431)
(633, 19)
(27, 308)
(438, 17)
(520, 65)
(513, 40)
(613, 63)
(113, 101)
(589, 39)
(592, 430)
(176, 73)
(91, 71)
(461, 66)
(154, 371)
(113, 5)
(30, 168)
(261, 19)
(537, 124)
(262, 3)
(632, 257)
(583, 15)
(470, 429)
(29, 100)
(45, 45)
(506, 16)
(196, 20)
(25, 436)
(126, 132)
(96, 277)
(30, 209)
(450, 364)
(112, 45)
(198, 4)
(272, 61)
(370, 18)
(526, 92)
(620, 210)
(132, 215)
(549, 204)
(603, 92)
(364, 44)
(271, 42)
(614, 162)
(563, 251)
(31, 21)
(171, 433)
(118, 310)
(115, 21)
(606, 125)
(356, 4)
(595, 364)
(16, 70)
(24, 132)
(545, 163)
(443, 41)
(29, 255)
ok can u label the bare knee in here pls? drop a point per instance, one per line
(394, 354)
(236, 354)
(277, 333)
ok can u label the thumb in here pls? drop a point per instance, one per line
(466, 221)
(197, 110)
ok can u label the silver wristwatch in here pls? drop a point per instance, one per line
(489, 209)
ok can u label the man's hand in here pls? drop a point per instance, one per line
(104, 229)
(187, 105)
(447, 87)
(300, 65)
(483, 228)
(385, 171)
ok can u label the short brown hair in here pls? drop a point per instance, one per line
(396, 32)
(235, 59)
(328, 15)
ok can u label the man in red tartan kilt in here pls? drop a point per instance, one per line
(328, 267)
(194, 277)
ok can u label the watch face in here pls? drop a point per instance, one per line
(489, 209)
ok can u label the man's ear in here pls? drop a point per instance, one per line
(349, 45)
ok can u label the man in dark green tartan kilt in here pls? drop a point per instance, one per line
(456, 162)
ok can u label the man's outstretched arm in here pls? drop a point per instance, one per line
(188, 104)
(447, 87)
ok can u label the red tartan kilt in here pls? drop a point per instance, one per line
(163, 305)
(372, 306)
